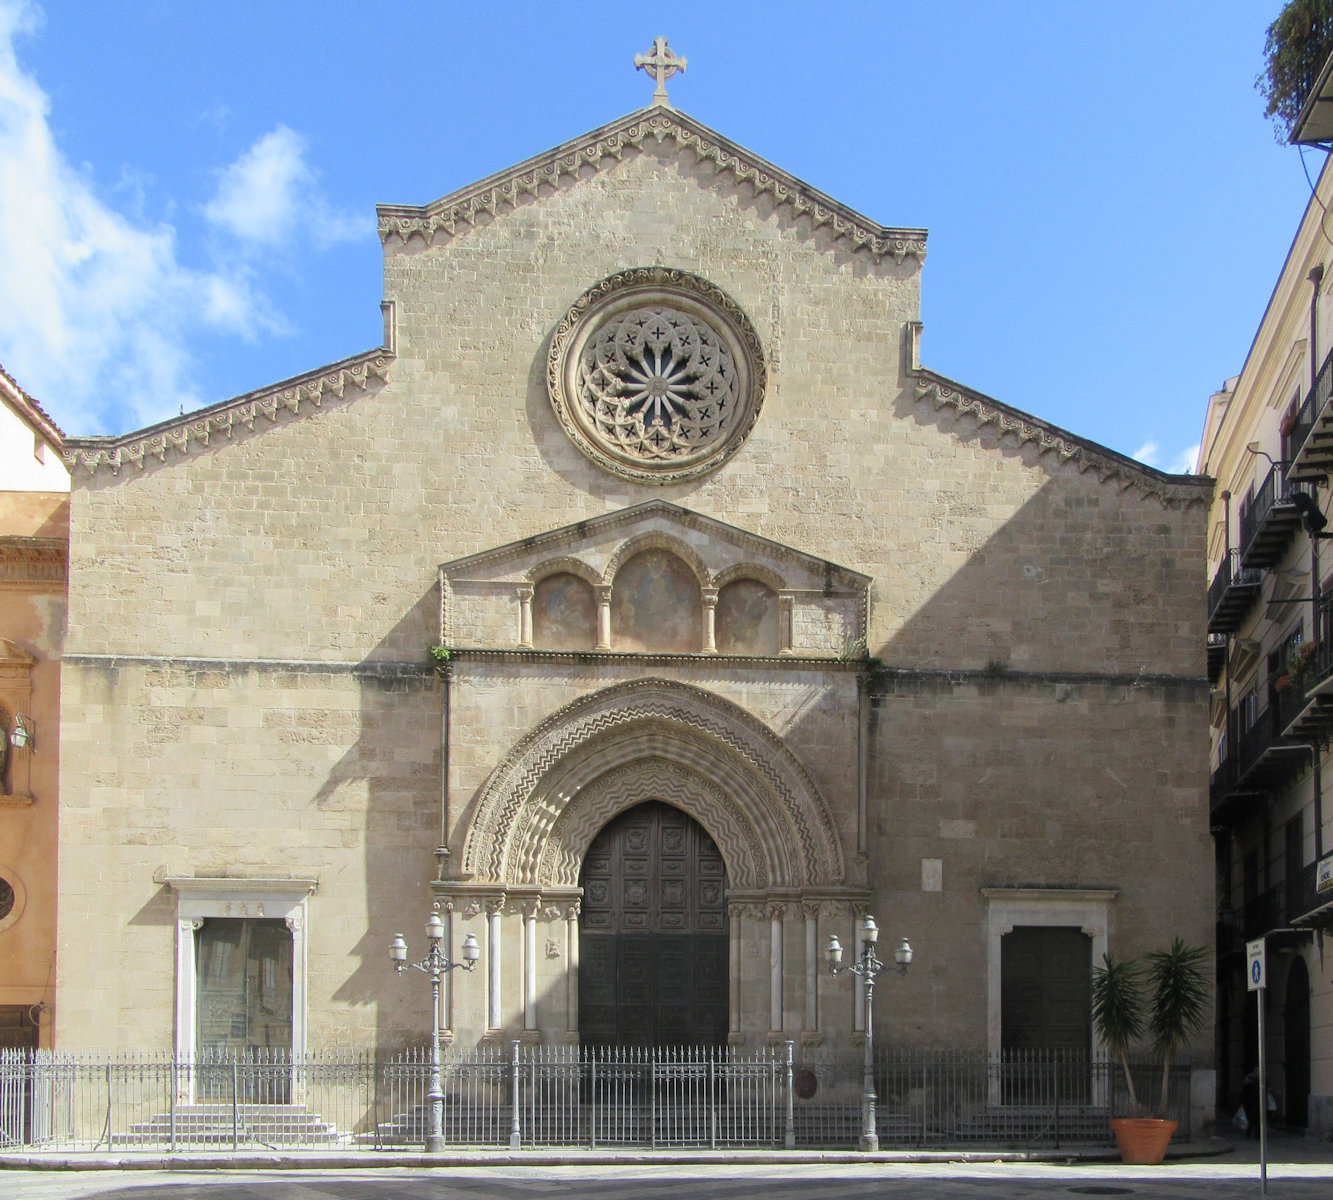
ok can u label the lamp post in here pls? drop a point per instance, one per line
(435, 964)
(867, 966)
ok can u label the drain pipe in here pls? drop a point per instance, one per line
(1316, 277)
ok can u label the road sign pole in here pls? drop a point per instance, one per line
(1257, 983)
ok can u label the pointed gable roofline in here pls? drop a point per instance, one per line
(483, 201)
(191, 432)
(30, 412)
(1108, 465)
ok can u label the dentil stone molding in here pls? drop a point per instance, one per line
(484, 201)
(1048, 439)
(192, 432)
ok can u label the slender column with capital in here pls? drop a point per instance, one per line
(786, 622)
(572, 974)
(604, 617)
(530, 965)
(776, 912)
(710, 620)
(494, 1006)
(446, 982)
(734, 915)
(525, 616)
(811, 912)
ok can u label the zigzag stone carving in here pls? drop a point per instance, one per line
(563, 166)
(191, 433)
(654, 717)
(652, 779)
(1048, 439)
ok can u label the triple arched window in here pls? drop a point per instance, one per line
(654, 604)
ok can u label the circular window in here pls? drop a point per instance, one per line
(12, 897)
(656, 375)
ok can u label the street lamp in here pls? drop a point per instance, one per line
(867, 966)
(435, 964)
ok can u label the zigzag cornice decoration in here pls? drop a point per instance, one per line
(446, 218)
(192, 432)
(1049, 439)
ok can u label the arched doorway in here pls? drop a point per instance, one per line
(653, 945)
(1296, 1044)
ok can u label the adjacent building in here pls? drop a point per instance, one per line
(1267, 442)
(34, 541)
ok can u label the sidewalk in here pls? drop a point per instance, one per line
(1283, 1148)
(323, 1160)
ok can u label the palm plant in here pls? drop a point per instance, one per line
(1180, 991)
(1118, 1012)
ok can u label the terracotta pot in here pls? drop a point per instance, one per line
(1142, 1140)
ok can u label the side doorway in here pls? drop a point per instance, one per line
(1046, 1014)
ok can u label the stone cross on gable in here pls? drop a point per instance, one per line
(661, 62)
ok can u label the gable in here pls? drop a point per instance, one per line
(813, 608)
(565, 166)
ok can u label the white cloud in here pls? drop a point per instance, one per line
(1183, 463)
(270, 195)
(99, 314)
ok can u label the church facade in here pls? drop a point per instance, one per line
(644, 607)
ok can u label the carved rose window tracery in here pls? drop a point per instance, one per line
(656, 375)
(658, 383)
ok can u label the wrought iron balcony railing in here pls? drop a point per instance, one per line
(1270, 520)
(1310, 439)
(1232, 593)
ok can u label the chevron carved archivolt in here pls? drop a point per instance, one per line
(526, 795)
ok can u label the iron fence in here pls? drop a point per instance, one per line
(530, 1096)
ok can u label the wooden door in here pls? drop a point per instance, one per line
(653, 949)
(1046, 1013)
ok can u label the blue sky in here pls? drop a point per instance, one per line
(187, 187)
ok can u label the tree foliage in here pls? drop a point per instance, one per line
(1118, 1012)
(1297, 45)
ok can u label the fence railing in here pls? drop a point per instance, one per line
(528, 1096)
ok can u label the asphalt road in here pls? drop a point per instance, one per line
(1210, 1180)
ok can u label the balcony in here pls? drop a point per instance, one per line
(1310, 439)
(1260, 758)
(1307, 904)
(1270, 520)
(1217, 656)
(1232, 594)
(1305, 703)
(1263, 914)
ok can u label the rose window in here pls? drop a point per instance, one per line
(658, 383)
(656, 375)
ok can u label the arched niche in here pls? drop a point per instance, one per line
(564, 613)
(656, 604)
(746, 618)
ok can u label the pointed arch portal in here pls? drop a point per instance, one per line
(653, 739)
